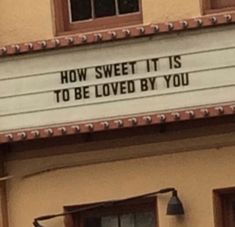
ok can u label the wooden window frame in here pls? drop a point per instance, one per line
(137, 205)
(207, 9)
(220, 199)
(64, 26)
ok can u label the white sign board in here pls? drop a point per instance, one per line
(117, 79)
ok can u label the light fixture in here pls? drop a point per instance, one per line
(174, 207)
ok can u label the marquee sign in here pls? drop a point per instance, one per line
(111, 80)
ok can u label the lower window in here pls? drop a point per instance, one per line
(224, 207)
(139, 213)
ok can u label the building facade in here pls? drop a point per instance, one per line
(110, 108)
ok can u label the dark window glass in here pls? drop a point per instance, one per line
(145, 219)
(93, 222)
(110, 221)
(128, 6)
(80, 9)
(104, 8)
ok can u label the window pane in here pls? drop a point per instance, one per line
(92, 222)
(104, 8)
(80, 9)
(144, 219)
(128, 6)
(127, 220)
(109, 221)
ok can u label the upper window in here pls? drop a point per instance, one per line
(218, 5)
(137, 213)
(89, 15)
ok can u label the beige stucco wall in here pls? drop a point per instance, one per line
(27, 20)
(195, 174)
(155, 11)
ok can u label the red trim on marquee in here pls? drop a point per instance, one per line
(117, 123)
